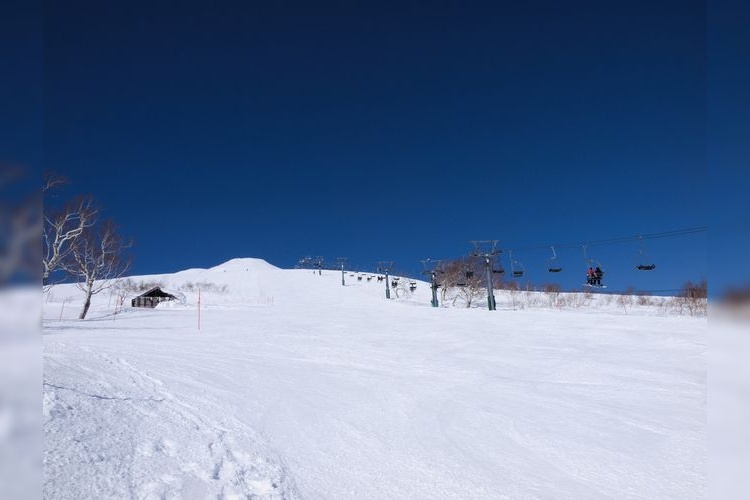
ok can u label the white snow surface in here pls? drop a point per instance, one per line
(297, 387)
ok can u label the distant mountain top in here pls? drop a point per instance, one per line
(244, 264)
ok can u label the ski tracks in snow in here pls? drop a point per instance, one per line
(105, 439)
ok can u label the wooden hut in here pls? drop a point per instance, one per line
(152, 297)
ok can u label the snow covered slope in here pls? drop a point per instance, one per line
(297, 387)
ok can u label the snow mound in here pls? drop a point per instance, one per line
(244, 264)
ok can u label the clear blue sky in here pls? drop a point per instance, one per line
(386, 130)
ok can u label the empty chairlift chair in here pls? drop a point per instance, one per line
(553, 265)
(516, 268)
(468, 274)
(643, 261)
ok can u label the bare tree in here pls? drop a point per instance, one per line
(61, 230)
(737, 296)
(446, 278)
(552, 292)
(97, 260)
(20, 221)
(472, 286)
(465, 277)
(694, 296)
(627, 298)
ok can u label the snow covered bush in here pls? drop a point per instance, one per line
(552, 292)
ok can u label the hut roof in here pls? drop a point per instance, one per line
(157, 292)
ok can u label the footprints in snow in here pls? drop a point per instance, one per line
(164, 447)
(176, 447)
(223, 472)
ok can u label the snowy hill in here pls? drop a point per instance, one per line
(249, 281)
(297, 387)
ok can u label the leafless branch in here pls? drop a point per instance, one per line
(98, 260)
(61, 230)
(52, 180)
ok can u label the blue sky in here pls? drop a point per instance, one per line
(386, 131)
(728, 145)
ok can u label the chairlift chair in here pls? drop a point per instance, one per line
(553, 266)
(594, 264)
(516, 268)
(643, 261)
(595, 281)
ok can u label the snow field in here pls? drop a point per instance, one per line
(334, 392)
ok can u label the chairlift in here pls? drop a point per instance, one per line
(643, 261)
(369, 278)
(359, 277)
(412, 285)
(596, 280)
(381, 278)
(496, 270)
(516, 268)
(553, 266)
(394, 282)
(468, 271)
